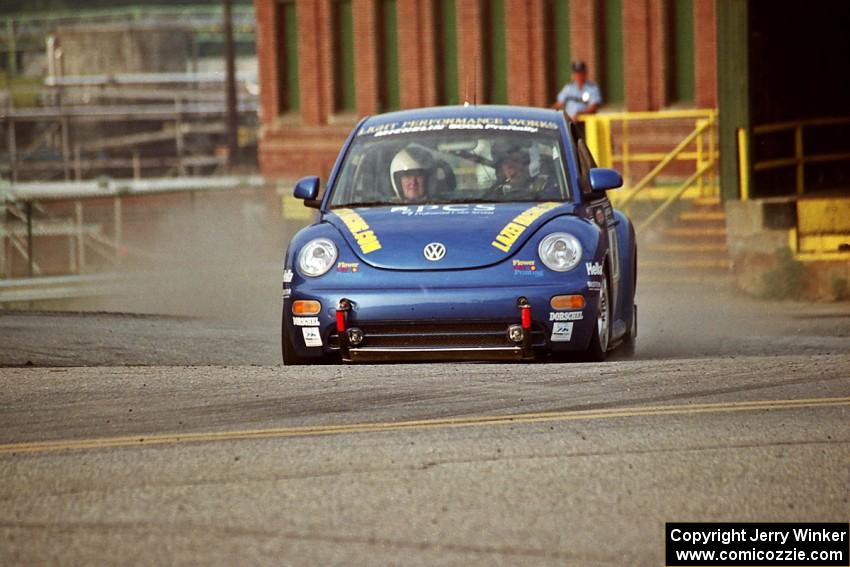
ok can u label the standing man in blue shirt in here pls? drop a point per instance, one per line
(580, 96)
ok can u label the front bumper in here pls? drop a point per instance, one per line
(446, 340)
(443, 324)
(444, 354)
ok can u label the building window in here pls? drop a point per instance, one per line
(611, 36)
(445, 42)
(680, 62)
(557, 46)
(388, 55)
(289, 94)
(494, 52)
(343, 57)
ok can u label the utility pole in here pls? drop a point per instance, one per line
(232, 119)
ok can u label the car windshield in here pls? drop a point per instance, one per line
(452, 161)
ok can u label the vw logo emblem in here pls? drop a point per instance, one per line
(434, 251)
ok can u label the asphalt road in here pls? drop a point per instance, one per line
(150, 440)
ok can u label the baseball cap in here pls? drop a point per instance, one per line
(579, 67)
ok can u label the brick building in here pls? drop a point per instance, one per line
(325, 63)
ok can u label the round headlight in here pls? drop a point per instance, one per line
(560, 251)
(317, 257)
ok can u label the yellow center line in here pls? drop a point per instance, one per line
(523, 418)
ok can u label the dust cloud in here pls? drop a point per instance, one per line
(708, 317)
(217, 257)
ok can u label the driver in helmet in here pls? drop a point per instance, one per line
(410, 172)
(514, 180)
(512, 168)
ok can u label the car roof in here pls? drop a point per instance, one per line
(471, 111)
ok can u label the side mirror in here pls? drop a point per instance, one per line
(602, 179)
(307, 188)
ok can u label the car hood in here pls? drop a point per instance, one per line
(474, 235)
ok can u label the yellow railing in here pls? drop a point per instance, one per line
(800, 159)
(699, 146)
(600, 139)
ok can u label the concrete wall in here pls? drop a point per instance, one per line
(761, 237)
(90, 50)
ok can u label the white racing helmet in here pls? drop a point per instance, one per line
(411, 161)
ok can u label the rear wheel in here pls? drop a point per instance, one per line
(598, 347)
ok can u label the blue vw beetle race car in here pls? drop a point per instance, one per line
(461, 233)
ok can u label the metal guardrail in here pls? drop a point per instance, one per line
(50, 288)
(213, 77)
(55, 146)
(64, 190)
(154, 112)
(56, 287)
(30, 194)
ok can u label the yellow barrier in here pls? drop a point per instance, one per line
(743, 162)
(700, 147)
(599, 139)
(824, 215)
(597, 136)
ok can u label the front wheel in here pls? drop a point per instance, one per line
(627, 348)
(290, 357)
(597, 350)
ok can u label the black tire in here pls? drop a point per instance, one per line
(597, 350)
(627, 347)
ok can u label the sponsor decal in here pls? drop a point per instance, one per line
(312, 337)
(594, 285)
(561, 332)
(457, 123)
(305, 321)
(454, 209)
(366, 239)
(593, 268)
(286, 293)
(511, 232)
(526, 268)
(566, 316)
(348, 267)
(287, 276)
